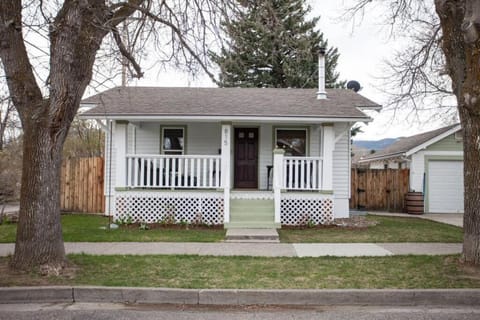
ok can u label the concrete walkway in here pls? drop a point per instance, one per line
(10, 207)
(454, 219)
(256, 249)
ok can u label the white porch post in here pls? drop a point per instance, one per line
(225, 172)
(327, 150)
(120, 143)
(278, 155)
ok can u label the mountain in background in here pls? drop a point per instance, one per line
(374, 144)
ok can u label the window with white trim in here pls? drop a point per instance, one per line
(293, 141)
(172, 140)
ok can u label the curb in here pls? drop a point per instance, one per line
(236, 297)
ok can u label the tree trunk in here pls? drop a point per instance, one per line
(471, 219)
(76, 34)
(39, 232)
(460, 21)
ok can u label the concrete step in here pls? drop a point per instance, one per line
(252, 241)
(269, 235)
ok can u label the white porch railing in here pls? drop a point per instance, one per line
(302, 173)
(173, 171)
(295, 173)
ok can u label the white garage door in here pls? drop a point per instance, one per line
(445, 186)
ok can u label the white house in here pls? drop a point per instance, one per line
(435, 159)
(242, 157)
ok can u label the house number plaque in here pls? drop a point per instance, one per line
(225, 137)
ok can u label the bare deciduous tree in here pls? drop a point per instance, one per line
(85, 139)
(75, 31)
(6, 119)
(445, 41)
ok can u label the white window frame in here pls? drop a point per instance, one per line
(162, 137)
(307, 136)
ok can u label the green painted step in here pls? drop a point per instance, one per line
(248, 203)
(252, 225)
(246, 213)
(251, 217)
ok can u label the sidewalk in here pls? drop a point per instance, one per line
(255, 249)
(10, 207)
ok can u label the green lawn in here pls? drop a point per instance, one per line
(86, 228)
(251, 272)
(388, 229)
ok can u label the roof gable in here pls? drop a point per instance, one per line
(257, 102)
(410, 145)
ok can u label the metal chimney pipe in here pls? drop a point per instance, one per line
(321, 94)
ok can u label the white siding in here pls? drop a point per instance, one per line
(315, 138)
(380, 165)
(377, 165)
(265, 154)
(341, 208)
(266, 146)
(203, 138)
(417, 169)
(131, 138)
(393, 165)
(148, 138)
(341, 162)
(109, 162)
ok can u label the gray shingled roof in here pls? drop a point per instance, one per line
(406, 144)
(159, 101)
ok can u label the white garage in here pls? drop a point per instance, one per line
(445, 186)
(435, 160)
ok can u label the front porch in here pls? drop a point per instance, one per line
(202, 188)
(253, 209)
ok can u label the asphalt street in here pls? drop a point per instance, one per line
(96, 311)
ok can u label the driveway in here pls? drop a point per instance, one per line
(454, 219)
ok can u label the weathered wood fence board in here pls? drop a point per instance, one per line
(82, 185)
(379, 189)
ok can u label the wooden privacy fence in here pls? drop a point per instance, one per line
(81, 187)
(379, 189)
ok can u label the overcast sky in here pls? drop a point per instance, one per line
(362, 46)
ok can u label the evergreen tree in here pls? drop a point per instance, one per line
(273, 45)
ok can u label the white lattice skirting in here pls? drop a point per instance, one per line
(302, 208)
(154, 207)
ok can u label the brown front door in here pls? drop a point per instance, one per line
(246, 158)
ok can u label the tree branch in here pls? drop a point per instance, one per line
(126, 53)
(123, 10)
(175, 30)
(22, 85)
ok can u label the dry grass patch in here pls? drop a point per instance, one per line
(375, 229)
